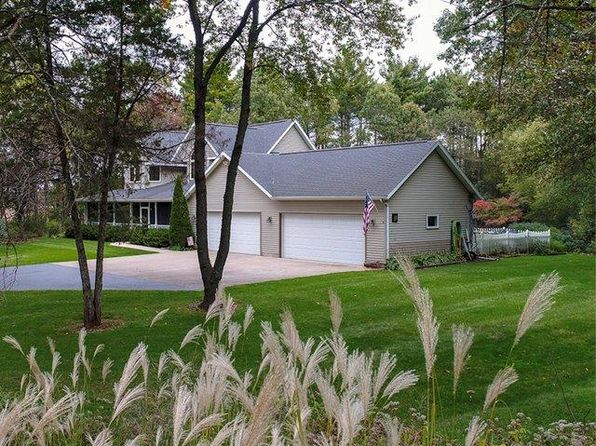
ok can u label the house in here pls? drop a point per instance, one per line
(294, 201)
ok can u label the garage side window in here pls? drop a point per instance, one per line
(432, 222)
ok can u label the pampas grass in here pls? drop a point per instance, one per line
(304, 391)
(191, 336)
(158, 317)
(475, 431)
(10, 340)
(462, 341)
(336, 311)
(539, 301)
(503, 379)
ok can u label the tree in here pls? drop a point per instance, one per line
(379, 22)
(350, 82)
(86, 97)
(382, 110)
(410, 81)
(180, 226)
(534, 63)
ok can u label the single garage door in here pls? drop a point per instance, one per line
(323, 237)
(246, 232)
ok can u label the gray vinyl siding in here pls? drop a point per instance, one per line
(292, 141)
(249, 198)
(432, 189)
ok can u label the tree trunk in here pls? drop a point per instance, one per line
(89, 318)
(223, 250)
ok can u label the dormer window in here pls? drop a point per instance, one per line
(134, 173)
(154, 173)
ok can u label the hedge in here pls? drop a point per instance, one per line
(139, 235)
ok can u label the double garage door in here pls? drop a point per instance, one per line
(246, 232)
(335, 238)
(323, 237)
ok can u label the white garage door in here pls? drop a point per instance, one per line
(323, 237)
(246, 232)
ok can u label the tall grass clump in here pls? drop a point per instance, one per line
(313, 391)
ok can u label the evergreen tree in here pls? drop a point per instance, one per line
(180, 227)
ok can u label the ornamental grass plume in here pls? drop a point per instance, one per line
(462, 341)
(503, 379)
(539, 301)
(104, 438)
(336, 311)
(475, 431)
(191, 336)
(428, 327)
(158, 317)
(11, 340)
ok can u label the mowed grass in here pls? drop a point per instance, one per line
(49, 250)
(555, 359)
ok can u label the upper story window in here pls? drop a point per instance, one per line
(154, 173)
(135, 173)
(191, 173)
(432, 222)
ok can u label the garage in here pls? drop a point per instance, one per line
(323, 237)
(246, 232)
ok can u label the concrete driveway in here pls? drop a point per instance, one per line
(163, 270)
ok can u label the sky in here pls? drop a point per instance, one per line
(424, 42)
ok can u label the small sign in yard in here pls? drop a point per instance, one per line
(190, 241)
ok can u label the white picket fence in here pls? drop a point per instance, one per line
(504, 240)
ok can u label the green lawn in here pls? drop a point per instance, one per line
(48, 250)
(555, 359)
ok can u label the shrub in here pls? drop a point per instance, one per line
(529, 226)
(117, 233)
(27, 227)
(156, 237)
(500, 212)
(180, 227)
(137, 235)
(54, 228)
(425, 259)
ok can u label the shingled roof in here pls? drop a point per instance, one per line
(175, 146)
(162, 146)
(342, 173)
(163, 193)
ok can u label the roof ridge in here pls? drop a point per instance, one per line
(417, 141)
(221, 124)
(270, 122)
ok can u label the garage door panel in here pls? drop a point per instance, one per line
(323, 237)
(245, 235)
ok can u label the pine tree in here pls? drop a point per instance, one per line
(180, 227)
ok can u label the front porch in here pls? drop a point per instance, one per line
(154, 214)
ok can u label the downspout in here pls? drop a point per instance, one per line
(386, 203)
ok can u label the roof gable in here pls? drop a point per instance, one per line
(293, 139)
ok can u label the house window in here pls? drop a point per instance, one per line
(192, 170)
(432, 222)
(154, 173)
(134, 173)
(394, 218)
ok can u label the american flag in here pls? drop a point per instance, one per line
(369, 205)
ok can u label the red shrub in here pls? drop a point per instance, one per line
(497, 213)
